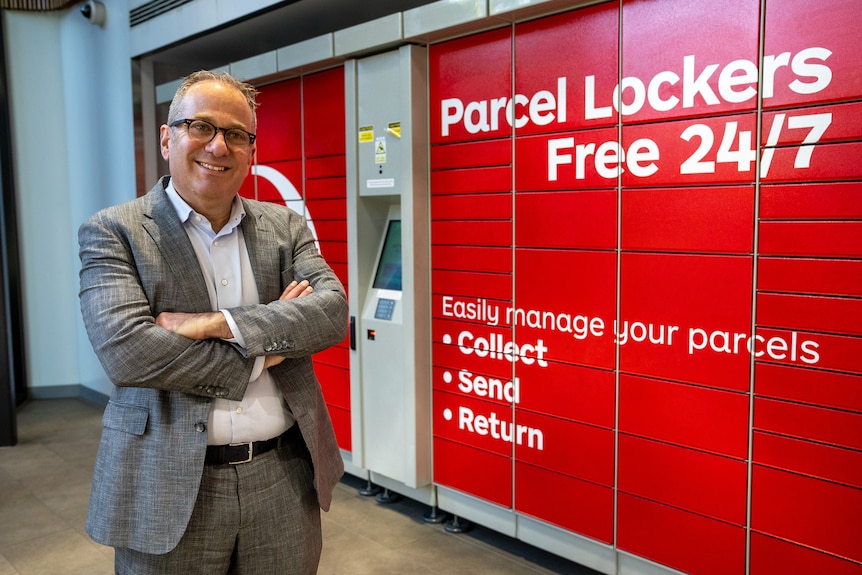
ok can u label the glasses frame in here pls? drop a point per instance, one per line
(216, 129)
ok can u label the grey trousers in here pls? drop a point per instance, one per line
(256, 518)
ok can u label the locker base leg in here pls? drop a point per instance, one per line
(369, 489)
(434, 516)
(387, 497)
(456, 525)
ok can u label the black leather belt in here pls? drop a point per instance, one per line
(237, 453)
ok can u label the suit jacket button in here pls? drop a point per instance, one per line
(200, 427)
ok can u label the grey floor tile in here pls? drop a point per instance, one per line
(66, 552)
(6, 567)
(23, 517)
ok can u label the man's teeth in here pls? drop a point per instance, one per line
(211, 167)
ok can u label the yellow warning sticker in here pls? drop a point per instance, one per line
(394, 128)
(380, 151)
(366, 134)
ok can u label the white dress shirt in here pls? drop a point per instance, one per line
(262, 413)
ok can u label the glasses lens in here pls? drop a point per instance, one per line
(201, 131)
(236, 138)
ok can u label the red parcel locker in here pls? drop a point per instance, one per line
(299, 119)
(551, 95)
(279, 119)
(811, 52)
(686, 317)
(677, 166)
(681, 59)
(683, 540)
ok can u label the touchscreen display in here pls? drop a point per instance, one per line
(388, 275)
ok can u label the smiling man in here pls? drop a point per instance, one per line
(204, 308)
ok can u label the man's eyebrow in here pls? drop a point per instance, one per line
(209, 119)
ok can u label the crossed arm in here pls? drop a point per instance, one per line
(213, 325)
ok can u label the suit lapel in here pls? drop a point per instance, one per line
(163, 225)
(262, 246)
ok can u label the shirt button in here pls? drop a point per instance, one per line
(200, 427)
(239, 410)
(224, 282)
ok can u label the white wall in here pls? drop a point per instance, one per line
(72, 132)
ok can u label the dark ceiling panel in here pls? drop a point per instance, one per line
(286, 23)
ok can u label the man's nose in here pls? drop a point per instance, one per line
(218, 144)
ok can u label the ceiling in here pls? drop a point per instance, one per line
(287, 23)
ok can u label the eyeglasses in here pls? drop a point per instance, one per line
(203, 132)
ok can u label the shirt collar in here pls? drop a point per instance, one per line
(185, 211)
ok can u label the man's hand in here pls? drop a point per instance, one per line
(196, 325)
(295, 289)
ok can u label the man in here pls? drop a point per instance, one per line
(204, 309)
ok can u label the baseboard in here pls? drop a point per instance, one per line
(68, 391)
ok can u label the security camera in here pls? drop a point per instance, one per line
(95, 12)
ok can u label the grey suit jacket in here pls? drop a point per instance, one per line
(137, 262)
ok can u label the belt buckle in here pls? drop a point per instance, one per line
(250, 453)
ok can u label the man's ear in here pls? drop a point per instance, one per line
(164, 140)
(252, 158)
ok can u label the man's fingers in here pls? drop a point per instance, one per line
(272, 360)
(296, 289)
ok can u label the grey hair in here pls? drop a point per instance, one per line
(247, 90)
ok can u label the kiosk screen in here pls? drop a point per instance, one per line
(388, 274)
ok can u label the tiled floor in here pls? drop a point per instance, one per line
(45, 486)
